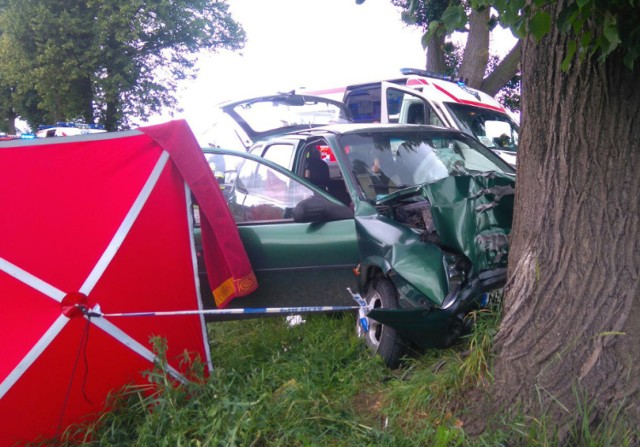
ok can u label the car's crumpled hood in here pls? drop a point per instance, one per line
(471, 213)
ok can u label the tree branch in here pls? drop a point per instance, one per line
(435, 54)
(476, 51)
(504, 71)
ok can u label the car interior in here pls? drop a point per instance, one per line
(321, 168)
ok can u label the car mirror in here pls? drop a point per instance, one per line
(319, 209)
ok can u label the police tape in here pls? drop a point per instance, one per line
(96, 311)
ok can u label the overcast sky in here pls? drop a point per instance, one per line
(302, 43)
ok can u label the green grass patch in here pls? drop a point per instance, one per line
(316, 384)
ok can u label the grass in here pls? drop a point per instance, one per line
(315, 384)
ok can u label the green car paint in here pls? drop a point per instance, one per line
(290, 259)
(440, 267)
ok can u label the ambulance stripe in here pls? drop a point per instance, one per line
(471, 103)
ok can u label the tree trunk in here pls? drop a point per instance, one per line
(435, 55)
(572, 304)
(504, 71)
(111, 116)
(11, 123)
(85, 91)
(476, 51)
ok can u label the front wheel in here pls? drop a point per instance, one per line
(382, 339)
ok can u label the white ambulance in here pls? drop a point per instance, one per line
(67, 129)
(421, 97)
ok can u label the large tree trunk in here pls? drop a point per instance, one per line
(476, 51)
(572, 304)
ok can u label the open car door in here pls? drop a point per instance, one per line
(296, 263)
(407, 106)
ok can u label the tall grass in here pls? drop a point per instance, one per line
(315, 384)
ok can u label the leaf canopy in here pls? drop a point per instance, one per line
(106, 61)
(596, 27)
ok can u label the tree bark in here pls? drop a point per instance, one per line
(435, 55)
(85, 91)
(11, 123)
(504, 71)
(572, 304)
(476, 51)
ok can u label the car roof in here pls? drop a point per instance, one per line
(341, 129)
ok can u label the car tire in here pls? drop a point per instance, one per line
(380, 338)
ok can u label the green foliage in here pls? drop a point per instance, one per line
(423, 12)
(454, 18)
(596, 28)
(440, 18)
(103, 60)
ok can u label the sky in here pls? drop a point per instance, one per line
(303, 43)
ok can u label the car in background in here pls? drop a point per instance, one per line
(415, 218)
(421, 97)
(67, 129)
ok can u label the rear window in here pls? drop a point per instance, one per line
(264, 116)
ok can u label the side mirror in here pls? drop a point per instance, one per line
(319, 209)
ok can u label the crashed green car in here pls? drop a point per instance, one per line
(414, 218)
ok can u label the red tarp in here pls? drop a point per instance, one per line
(104, 219)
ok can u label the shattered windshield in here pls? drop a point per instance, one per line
(494, 129)
(385, 162)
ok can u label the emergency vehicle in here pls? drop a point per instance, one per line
(66, 129)
(422, 97)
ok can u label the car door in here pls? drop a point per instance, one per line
(296, 264)
(407, 106)
(389, 102)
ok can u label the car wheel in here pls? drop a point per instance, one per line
(381, 339)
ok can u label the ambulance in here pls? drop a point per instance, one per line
(67, 129)
(422, 97)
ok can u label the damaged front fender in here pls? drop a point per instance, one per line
(429, 327)
(443, 245)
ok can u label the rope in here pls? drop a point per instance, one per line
(82, 347)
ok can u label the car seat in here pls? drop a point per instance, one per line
(316, 169)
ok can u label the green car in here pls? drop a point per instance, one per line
(415, 218)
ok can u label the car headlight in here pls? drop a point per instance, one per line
(457, 267)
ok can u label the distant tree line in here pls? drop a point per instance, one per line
(103, 61)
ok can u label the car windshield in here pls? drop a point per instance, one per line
(385, 162)
(494, 129)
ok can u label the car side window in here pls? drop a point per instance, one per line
(280, 154)
(406, 108)
(262, 194)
